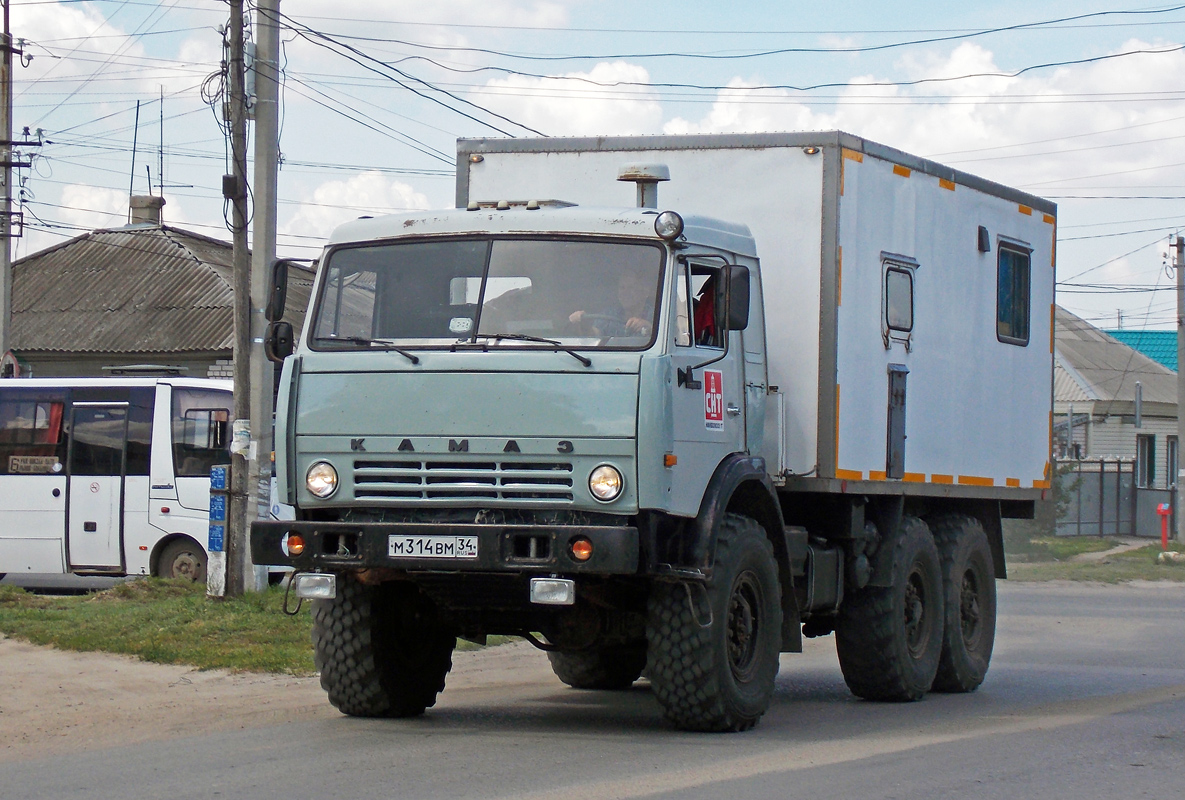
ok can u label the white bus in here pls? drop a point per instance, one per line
(109, 476)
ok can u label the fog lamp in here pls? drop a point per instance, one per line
(316, 586)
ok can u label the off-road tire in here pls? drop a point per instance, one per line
(182, 558)
(713, 648)
(611, 667)
(380, 650)
(969, 588)
(889, 639)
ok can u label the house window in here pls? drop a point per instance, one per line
(1012, 296)
(1172, 461)
(1145, 460)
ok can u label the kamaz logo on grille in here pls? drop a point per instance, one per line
(356, 445)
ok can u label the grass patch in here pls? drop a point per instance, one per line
(1131, 565)
(172, 622)
(1055, 548)
(167, 622)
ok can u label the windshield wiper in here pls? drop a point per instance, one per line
(386, 344)
(524, 337)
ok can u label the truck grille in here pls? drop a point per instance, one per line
(452, 481)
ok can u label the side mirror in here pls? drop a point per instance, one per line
(278, 344)
(736, 297)
(277, 293)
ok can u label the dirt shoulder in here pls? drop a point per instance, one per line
(54, 701)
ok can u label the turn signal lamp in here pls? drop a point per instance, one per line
(580, 548)
(295, 544)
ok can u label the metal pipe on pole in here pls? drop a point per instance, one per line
(1179, 264)
(263, 251)
(6, 219)
(235, 189)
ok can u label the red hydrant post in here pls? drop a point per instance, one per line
(1164, 510)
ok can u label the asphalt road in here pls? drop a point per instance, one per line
(1085, 699)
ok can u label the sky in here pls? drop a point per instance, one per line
(1079, 102)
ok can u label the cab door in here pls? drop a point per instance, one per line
(95, 483)
(708, 402)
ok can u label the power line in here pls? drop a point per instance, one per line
(359, 57)
(760, 53)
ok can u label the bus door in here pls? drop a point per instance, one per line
(97, 465)
(32, 479)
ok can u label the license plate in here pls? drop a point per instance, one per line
(432, 546)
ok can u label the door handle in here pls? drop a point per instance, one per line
(733, 410)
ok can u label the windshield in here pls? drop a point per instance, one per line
(579, 293)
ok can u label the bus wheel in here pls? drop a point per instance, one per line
(182, 558)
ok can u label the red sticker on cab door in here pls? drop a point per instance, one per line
(713, 399)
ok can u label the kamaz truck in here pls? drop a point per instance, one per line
(664, 406)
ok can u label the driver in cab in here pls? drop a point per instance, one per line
(632, 315)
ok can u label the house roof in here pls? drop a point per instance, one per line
(1092, 365)
(1160, 346)
(140, 288)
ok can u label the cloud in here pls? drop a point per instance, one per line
(335, 202)
(560, 106)
(739, 109)
(945, 119)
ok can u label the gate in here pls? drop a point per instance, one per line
(1100, 498)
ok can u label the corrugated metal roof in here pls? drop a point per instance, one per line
(143, 288)
(1104, 368)
(1160, 346)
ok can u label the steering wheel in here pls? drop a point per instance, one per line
(612, 326)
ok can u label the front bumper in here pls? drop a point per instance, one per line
(500, 548)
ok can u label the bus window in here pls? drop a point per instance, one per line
(140, 429)
(100, 435)
(201, 431)
(31, 440)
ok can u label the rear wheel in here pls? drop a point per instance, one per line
(182, 558)
(969, 587)
(889, 639)
(605, 667)
(713, 651)
(380, 649)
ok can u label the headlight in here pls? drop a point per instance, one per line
(321, 479)
(668, 225)
(605, 483)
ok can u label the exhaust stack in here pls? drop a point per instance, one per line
(647, 177)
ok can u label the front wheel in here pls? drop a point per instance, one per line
(889, 639)
(182, 558)
(380, 650)
(713, 648)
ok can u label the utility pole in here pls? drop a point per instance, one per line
(234, 188)
(6, 220)
(263, 249)
(1179, 265)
